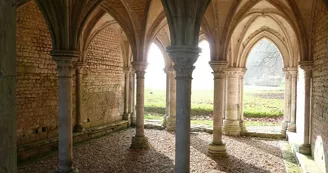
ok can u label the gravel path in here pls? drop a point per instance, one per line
(110, 154)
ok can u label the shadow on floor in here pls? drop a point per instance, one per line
(230, 163)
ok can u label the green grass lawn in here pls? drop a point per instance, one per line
(257, 103)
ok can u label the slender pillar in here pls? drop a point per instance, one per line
(292, 123)
(217, 147)
(79, 121)
(183, 57)
(171, 104)
(306, 67)
(287, 103)
(8, 149)
(65, 65)
(132, 98)
(242, 123)
(167, 97)
(126, 114)
(231, 125)
(140, 141)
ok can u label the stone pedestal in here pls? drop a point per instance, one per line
(231, 125)
(65, 65)
(140, 141)
(79, 120)
(171, 103)
(217, 147)
(217, 150)
(292, 123)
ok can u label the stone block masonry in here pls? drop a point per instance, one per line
(320, 87)
(103, 79)
(37, 87)
(37, 81)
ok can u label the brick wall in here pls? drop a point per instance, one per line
(36, 97)
(103, 79)
(320, 87)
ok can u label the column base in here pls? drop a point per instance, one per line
(243, 129)
(170, 123)
(78, 128)
(133, 119)
(305, 149)
(284, 126)
(126, 116)
(292, 127)
(140, 143)
(231, 128)
(73, 170)
(217, 150)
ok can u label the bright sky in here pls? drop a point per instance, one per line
(202, 75)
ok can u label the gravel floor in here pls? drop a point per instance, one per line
(110, 154)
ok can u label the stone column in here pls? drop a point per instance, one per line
(126, 114)
(217, 147)
(183, 57)
(140, 141)
(242, 123)
(307, 67)
(171, 111)
(131, 98)
(287, 103)
(8, 149)
(231, 125)
(65, 65)
(292, 123)
(79, 121)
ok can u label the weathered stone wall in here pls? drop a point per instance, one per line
(103, 79)
(37, 88)
(320, 86)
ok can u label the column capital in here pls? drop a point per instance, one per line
(65, 60)
(291, 71)
(79, 66)
(218, 68)
(168, 70)
(127, 70)
(306, 65)
(140, 68)
(233, 72)
(184, 58)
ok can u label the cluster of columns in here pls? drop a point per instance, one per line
(170, 116)
(289, 121)
(233, 123)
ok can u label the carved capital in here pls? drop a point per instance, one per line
(127, 70)
(184, 58)
(79, 66)
(292, 72)
(65, 60)
(307, 66)
(169, 70)
(218, 69)
(140, 68)
(233, 72)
